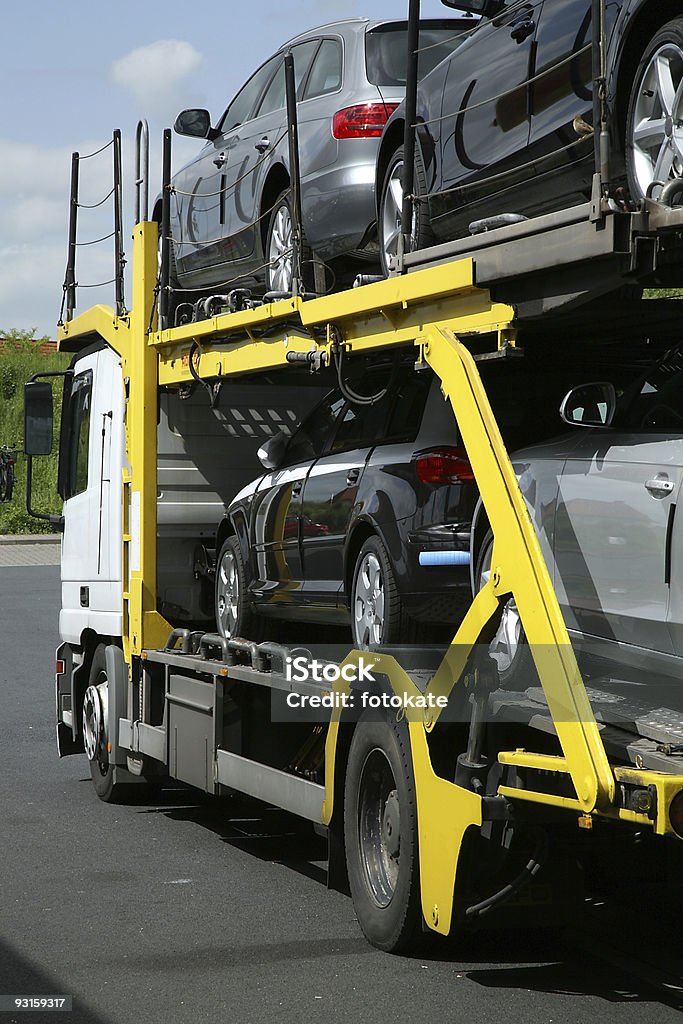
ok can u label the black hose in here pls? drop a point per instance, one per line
(530, 869)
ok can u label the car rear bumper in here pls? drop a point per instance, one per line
(435, 581)
(338, 208)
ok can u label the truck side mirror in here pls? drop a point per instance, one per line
(38, 418)
(590, 405)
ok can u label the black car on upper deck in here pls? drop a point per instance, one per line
(505, 122)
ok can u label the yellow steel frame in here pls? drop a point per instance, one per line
(431, 309)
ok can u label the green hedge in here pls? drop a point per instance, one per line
(20, 359)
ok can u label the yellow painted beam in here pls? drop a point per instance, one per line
(145, 627)
(518, 568)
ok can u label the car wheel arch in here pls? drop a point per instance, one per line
(361, 531)
(277, 180)
(480, 529)
(390, 143)
(233, 526)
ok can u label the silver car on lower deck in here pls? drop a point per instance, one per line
(231, 219)
(607, 507)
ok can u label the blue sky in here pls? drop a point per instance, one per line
(72, 71)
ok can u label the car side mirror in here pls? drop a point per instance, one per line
(196, 123)
(272, 452)
(589, 405)
(37, 418)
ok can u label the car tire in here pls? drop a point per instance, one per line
(277, 241)
(174, 297)
(389, 221)
(509, 648)
(380, 834)
(378, 617)
(234, 615)
(651, 155)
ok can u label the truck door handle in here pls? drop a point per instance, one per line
(220, 160)
(522, 30)
(659, 486)
(296, 488)
(263, 145)
(352, 476)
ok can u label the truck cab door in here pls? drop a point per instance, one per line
(91, 453)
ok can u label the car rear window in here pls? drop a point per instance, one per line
(406, 415)
(386, 50)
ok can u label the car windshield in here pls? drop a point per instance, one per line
(386, 50)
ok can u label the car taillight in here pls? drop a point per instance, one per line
(363, 121)
(444, 466)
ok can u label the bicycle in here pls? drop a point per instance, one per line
(8, 458)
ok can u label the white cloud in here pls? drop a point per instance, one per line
(154, 73)
(31, 284)
(34, 217)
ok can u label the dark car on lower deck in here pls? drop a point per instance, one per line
(363, 515)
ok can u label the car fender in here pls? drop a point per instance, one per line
(362, 528)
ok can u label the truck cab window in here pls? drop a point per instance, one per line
(79, 434)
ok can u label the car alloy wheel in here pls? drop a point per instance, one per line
(655, 123)
(421, 234)
(279, 249)
(392, 203)
(509, 648)
(368, 601)
(227, 592)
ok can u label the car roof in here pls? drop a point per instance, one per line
(367, 23)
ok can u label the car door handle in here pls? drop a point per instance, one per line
(220, 160)
(352, 476)
(659, 486)
(263, 145)
(296, 488)
(522, 30)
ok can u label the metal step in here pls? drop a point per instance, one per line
(271, 785)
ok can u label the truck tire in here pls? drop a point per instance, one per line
(95, 733)
(380, 835)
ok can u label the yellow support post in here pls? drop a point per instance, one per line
(143, 626)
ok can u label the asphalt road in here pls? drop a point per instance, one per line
(177, 912)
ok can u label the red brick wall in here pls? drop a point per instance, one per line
(46, 348)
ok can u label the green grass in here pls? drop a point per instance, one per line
(20, 359)
(663, 293)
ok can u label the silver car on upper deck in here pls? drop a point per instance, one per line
(231, 220)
